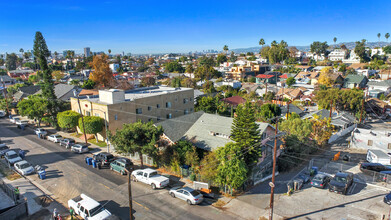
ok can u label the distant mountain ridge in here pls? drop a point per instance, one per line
(349, 45)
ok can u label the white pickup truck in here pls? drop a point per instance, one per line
(150, 177)
(88, 208)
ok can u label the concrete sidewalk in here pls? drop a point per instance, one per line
(37, 200)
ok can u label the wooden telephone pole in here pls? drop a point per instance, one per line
(274, 173)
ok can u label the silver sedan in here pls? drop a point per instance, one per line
(191, 196)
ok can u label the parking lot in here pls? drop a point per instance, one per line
(363, 201)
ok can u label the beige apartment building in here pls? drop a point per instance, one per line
(145, 104)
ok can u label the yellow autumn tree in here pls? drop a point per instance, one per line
(102, 74)
(324, 77)
(321, 130)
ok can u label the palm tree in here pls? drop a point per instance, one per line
(274, 43)
(225, 48)
(109, 51)
(21, 51)
(335, 40)
(387, 35)
(378, 36)
(55, 54)
(262, 42)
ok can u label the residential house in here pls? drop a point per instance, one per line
(352, 58)
(146, 104)
(64, 92)
(377, 106)
(337, 55)
(372, 139)
(233, 83)
(240, 72)
(250, 87)
(336, 79)
(291, 108)
(291, 93)
(304, 68)
(211, 131)
(355, 81)
(7, 80)
(24, 74)
(263, 78)
(376, 88)
(314, 76)
(340, 121)
(88, 92)
(377, 51)
(234, 101)
(303, 78)
(25, 91)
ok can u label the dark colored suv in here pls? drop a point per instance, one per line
(341, 182)
(104, 158)
(369, 168)
(67, 142)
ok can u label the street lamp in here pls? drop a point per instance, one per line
(107, 137)
(82, 120)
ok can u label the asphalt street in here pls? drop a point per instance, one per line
(68, 175)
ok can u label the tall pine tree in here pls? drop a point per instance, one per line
(245, 132)
(41, 52)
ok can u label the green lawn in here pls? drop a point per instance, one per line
(100, 143)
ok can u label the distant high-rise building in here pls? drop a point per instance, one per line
(87, 52)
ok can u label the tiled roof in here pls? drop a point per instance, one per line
(263, 76)
(234, 100)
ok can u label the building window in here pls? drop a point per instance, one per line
(186, 112)
(78, 111)
(139, 110)
(115, 117)
(169, 116)
(88, 113)
(168, 104)
(149, 108)
(97, 114)
(176, 99)
(157, 105)
(191, 99)
(158, 118)
(389, 145)
(191, 110)
(150, 119)
(370, 142)
(185, 100)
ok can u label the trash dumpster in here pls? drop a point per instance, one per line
(42, 174)
(93, 163)
(22, 153)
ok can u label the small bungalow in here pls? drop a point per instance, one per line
(355, 81)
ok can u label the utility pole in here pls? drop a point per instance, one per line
(274, 173)
(331, 107)
(287, 114)
(5, 96)
(362, 109)
(266, 89)
(130, 195)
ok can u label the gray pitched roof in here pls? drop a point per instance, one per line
(30, 89)
(292, 108)
(354, 78)
(323, 113)
(385, 83)
(176, 128)
(61, 89)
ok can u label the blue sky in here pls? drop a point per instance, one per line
(183, 26)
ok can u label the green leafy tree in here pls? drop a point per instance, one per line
(11, 61)
(175, 67)
(360, 51)
(319, 48)
(207, 104)
(208, 167)
(182, 147)
(11, 90)
(68, 119)
(208, 87)
(245, 132)
(191, 157)
(176, 82)
(189, 68)
(92, 125)
(290, 81)
(221, 58)
(232, 169)
(343, 100)
(89, 84)
(35, 107)
(138, 138)
(276, 53)
(232, 57)
(268, 111)
(301, 128)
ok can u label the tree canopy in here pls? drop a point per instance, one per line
(68, 119)
(290, 81)
(361, 52)
(275, 53)
(34, 107)
(102, 74)
(343, 100)
(319, 48)
(138, 138)
(175, 67)
(93, 124)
